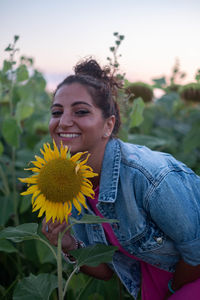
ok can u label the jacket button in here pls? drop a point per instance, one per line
(159, 240)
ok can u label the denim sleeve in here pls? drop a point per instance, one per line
(174, 206)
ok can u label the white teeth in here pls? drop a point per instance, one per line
(69, 135)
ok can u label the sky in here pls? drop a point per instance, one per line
(57, 34)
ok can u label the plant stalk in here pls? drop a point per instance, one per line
(68, 280)
(14, 188)
(59, 267)
(6, 189)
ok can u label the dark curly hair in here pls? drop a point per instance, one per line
(101, 86)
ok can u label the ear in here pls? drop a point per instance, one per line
(109, 126)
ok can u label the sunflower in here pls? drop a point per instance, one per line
(59, 180)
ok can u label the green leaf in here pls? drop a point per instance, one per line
(44, 253)
(160, 82)
(16, 37)
(25, 203)
(7, 65)
(9, 48)
(7, 246)
(191, 141)
(94, 255)
(22, 73)
(6, 209)
(91, 219)
(136, 115)
(35, 287)
(20, 233)
(95, 296)
(147, 140)
(1, 148)
(38, 81)
(11, 131)
(24, 110)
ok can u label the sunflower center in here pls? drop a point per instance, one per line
(58, 180)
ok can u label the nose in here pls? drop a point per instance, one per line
(65, 120)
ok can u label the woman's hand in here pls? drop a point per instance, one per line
(51, 231)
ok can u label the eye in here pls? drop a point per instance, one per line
(56, 113)
(82, 112)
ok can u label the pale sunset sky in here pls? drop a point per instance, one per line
(57, 34)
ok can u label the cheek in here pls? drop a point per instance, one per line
(52, 125)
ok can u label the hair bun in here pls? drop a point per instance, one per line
(91, 68)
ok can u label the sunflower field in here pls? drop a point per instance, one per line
(30, 268)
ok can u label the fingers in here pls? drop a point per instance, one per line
(51, 231)
(51, 226)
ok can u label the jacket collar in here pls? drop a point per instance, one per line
(110, 172)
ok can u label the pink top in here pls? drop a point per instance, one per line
(154, 280)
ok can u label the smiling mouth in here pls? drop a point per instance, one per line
(69, 135)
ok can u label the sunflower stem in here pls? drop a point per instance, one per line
(61, 293)
(59, 267)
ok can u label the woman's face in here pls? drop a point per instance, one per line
(77, 122)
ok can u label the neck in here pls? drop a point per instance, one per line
(95, 162)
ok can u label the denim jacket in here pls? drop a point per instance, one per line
(156, 200)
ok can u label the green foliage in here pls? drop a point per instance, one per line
(24, 106)
(114, 60)
(92, 256)
(41, 286)
(35, 287)
(171, 126)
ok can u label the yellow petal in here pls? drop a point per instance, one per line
(32, 179)
(34, 196)
(41, 212)
(60, 212)
(67, 207)
(85, 160)
(35, 170)
(30, 190)
(77, 168)
(86, 184)
(87, 192)
(88, 181)
(46, 156)
(37, 164)
(77, 156)
(81, 199)
(63, 151)
(56, 151)
(40, 160)
(77, 205)
(39, 202)
(89, 174)
(85, 167)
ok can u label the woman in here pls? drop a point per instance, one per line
(155, 198)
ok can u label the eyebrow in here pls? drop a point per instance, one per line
(73, 104)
